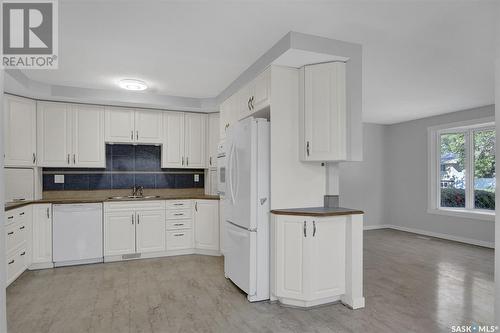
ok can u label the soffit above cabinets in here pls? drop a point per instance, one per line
(299, 58)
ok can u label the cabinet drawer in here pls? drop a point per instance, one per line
(16, 263)
(15, 235)
(179, 214)
(179, 224)
(134, 205)
(179, 240)
(179, 204)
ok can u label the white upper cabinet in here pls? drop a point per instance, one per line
(173, 147)
(213, 139)
(88, 136)
(125, 125)
(184, 140)
(323, 113)
(70, 135)
(148, 126)
(119, 125)
(19, 131)
(194, 139)
(260, 91)
(206, 225)
(54, 134)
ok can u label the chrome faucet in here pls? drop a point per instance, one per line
(137, 191)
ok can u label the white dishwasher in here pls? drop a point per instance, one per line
(77, 235)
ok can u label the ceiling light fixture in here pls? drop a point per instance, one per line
(131, 84)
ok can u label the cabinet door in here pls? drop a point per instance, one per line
(213, 139)
(224, 118)
(19, 131)
(150, 231)
(261, 91)
(243, 104)
(119, 125)
(88, 137)
(206, 225)
(326, 275)
(173, 147)
(290, 249)
(54, 122)
(119, 233)
(194, 136)
(324, 115)
(42, 234)
(148, 126)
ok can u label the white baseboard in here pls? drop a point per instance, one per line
(433, 234)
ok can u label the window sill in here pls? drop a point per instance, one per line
(469, 214)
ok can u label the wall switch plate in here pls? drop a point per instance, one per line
(196, 178)
(59, 179)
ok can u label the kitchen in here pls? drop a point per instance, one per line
(198, 202)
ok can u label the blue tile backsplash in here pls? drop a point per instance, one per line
(126, 166)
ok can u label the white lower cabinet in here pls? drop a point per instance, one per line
(18, 241)
(149, 231)
(134, 227)
(42, 236)
(119, 233)
(308, 259)
(206, 221)
(179, 239)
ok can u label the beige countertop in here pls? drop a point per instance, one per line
(317, 211)
(105, 197)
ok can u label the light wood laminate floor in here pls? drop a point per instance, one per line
(412, 284)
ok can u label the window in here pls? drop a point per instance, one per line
(462, 169)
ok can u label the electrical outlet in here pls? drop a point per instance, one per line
(59, 179)
(196, 178)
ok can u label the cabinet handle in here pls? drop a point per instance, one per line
(210, 160)
(74, 158)
(34, 158)
(131, 135)
(314, 228)
(11, 262)
(67, 158)
(178, 204)
(132, 218)
(178, 214)
(21, 228)
(22, 213)
(48, 214)
(10, 217)
(137, 135)
(10, 233)
(178, 224)
(182, 160)
(187, 160)
(176, 235)
(307, 148)
(248, 104)
(24, 252)
(305, 229)
(251, 102)
(196, 206)
(138, 219)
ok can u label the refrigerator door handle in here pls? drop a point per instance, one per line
(230, 173)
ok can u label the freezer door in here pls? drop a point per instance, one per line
(240, 258)
(241, 174)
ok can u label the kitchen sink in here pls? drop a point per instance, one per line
(134, 197)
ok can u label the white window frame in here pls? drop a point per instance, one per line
(434, 165)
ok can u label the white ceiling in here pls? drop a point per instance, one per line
(420, 58)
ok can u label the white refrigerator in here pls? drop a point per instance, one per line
(246, 203)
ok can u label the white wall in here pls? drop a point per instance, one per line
(406, 180)
(362, 183)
